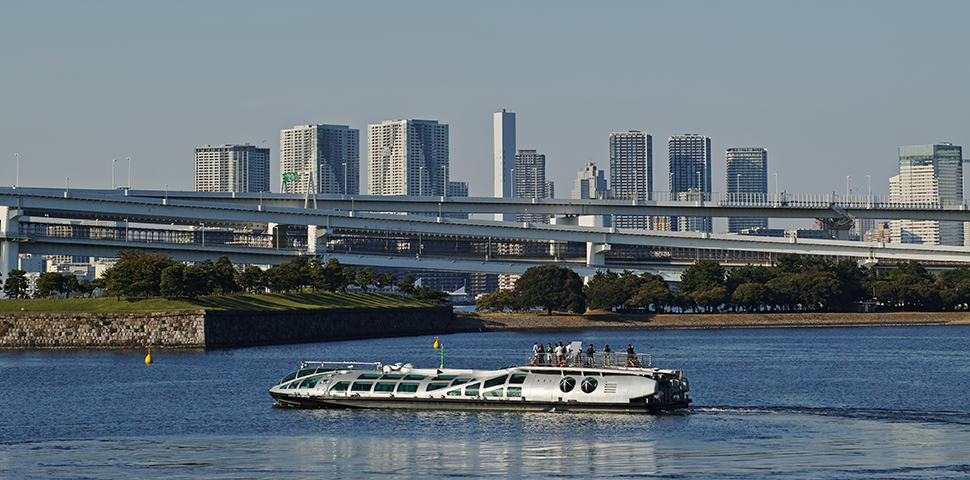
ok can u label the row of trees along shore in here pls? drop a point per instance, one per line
(793, 283)
(140, 275)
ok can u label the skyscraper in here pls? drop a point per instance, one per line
(231, 168)
(690, 177)
(407, 157)
(324, 156)
(747, 179)
(503, 131)
(631, 172)
(530, 182)
(590, 183)
(928, 174)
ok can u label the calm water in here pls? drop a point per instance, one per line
(786, 403)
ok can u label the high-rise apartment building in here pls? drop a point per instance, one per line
(320, 159)
(530, 182)
(231, 168)
(407, 157)
(503, 131)
(747, 180)
(690, 177)
(928, 174)
(631, 172)
(590, 183)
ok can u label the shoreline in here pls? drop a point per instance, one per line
(484, 322)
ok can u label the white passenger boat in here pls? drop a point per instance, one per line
(598, 383)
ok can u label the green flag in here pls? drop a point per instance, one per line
(291, 177)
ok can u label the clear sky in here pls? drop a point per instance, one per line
(829, 88)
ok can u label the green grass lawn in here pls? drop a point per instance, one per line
(280, 301)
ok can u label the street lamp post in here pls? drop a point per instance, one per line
(126, 229)
(114, 161)
(166, 193)
(421, 181)
(345, 177)
(847, 187)
(17, 182)
(776, 183)
(129, 173)
(444, 181)
(869, 181)
(203, 233)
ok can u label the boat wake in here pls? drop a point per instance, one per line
(942, 417)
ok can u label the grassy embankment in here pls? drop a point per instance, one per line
(267, 302)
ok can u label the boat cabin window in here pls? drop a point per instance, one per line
(437, 386)
(492, 382)
(407, 387)
(577, 374)
(392, 376)
(414, 377)
(385, 387)
(369, 376)
(361, 386)
(444, 377)
(567, 384)
(340, 387)
(461, 381)
(515, 391)
(311, 381)
(454, 393)
(498, 392)
(517, 378)
(472, 390)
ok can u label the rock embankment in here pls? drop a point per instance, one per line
(471, 322)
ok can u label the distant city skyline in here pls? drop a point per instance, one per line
(114, 81)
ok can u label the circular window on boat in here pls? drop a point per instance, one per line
(589, 384)
(567, 384)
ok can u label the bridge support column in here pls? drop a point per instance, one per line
(9, 244)
(596, 254)
(316, 239)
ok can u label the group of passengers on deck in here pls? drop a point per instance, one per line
(561, 355)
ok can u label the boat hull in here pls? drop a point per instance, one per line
(398, 403)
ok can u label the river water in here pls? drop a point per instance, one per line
(879, 402)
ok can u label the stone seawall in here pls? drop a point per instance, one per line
(202, 329)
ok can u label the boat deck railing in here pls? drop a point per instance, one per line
(618, 360)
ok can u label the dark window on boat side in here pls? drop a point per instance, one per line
(414, 377)
(517, 378)
(392, 376)
(361, 386)
(369, 376)
(311, 382)
(340, 387)
(472, 390)
(567, 384)
(385, 386)
(515, 391)
(407, 387)
(492, 382)
(437, 385)
(460, 381)
(589, 384)
(442, 378)
(498, 392)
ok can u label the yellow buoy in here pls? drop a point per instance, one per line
(148, 359)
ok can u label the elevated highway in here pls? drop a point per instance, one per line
(49, 221)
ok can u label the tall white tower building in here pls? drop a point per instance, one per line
(503, 131)
(928, 174)
(320, 159)
(530, 182)
(590, 183)
(407, 157)
(231, 168)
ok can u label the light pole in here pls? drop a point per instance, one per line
(68, 185)
(847, 187)
(776, 183)
(126, 229)
(17, 182)
(113, 162)
(421, 181)
(345, 177)
(203, 233)
(869, 181)
(129, 173)
(444, 180)
(166, 193)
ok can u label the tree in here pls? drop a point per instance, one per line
(498, 301)
(605, 291)
(224, 276)
(651, 290)
(365, 278)
(136, 274)
(49, 284)
(17, 284)
(703, 284)
(252, 279)
(552, 288)
(430, 295)
(750, 296)
(406, 286)
(172, 284)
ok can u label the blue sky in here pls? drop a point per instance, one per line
(829, 88)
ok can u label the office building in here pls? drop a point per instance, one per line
(231, 168)
(631, 173)
(747, 180)
(503, 131)
(690, 177)
(320, 159)
(457, 189)
(928, 174)
(590, 183)
(530, 182)
(407, 157)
